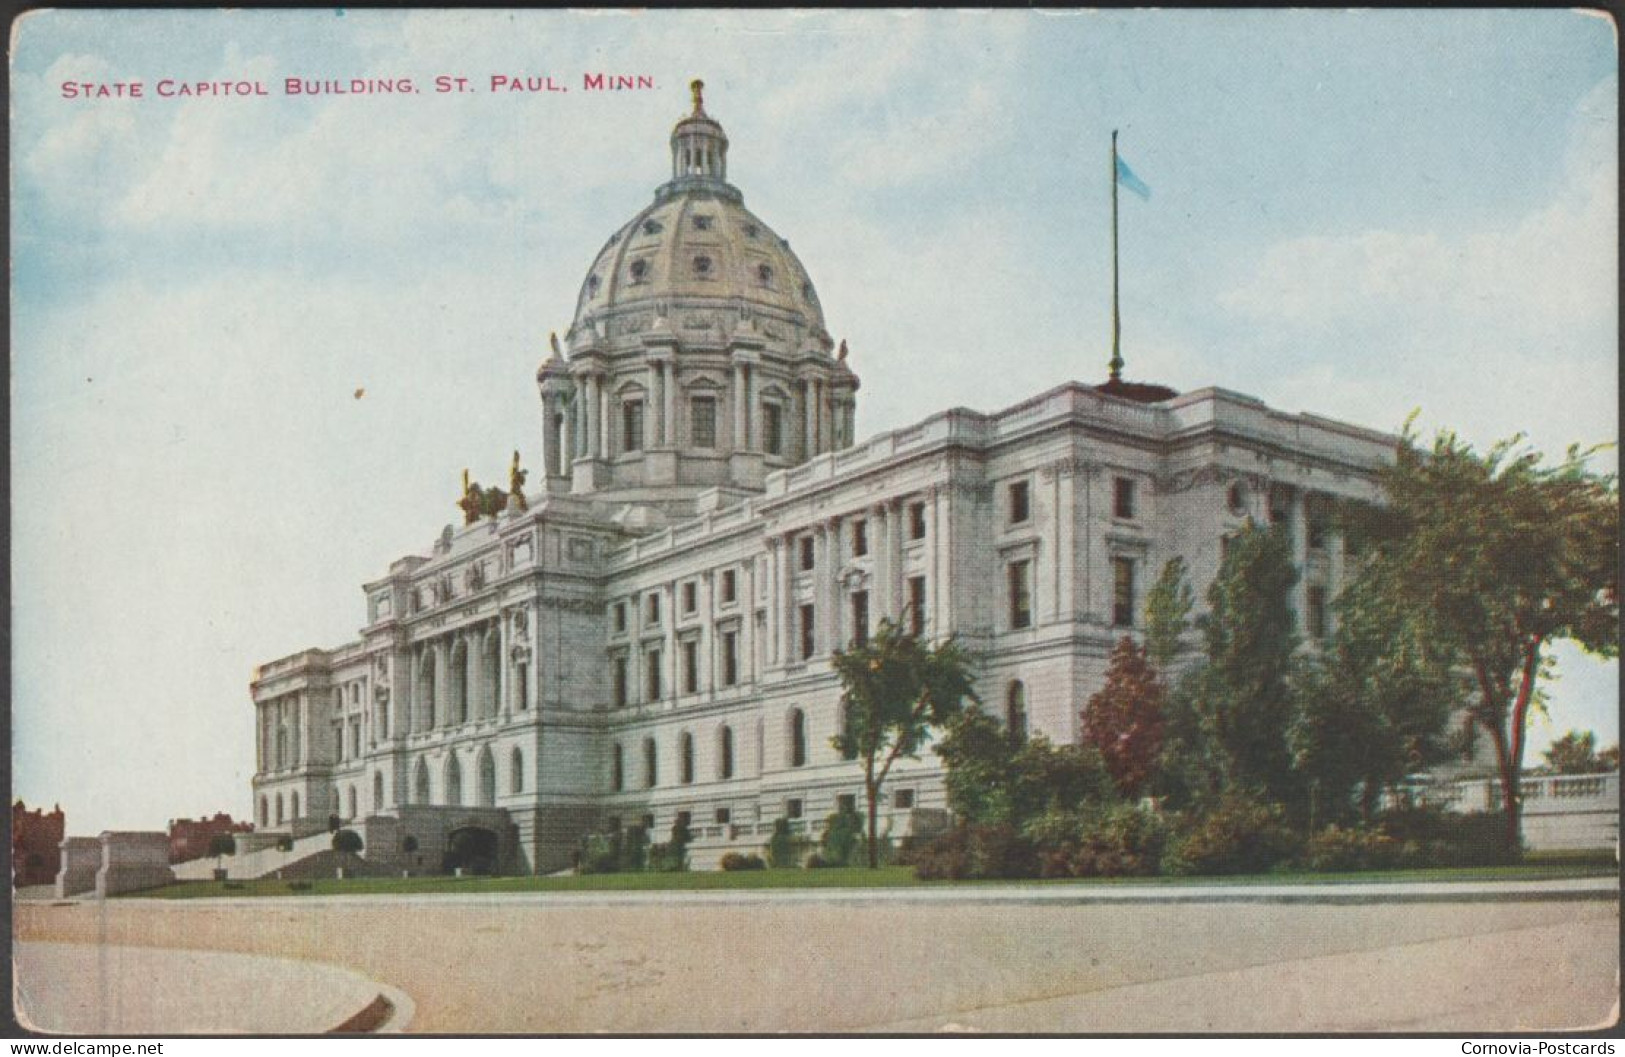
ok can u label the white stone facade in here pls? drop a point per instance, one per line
(652, 635)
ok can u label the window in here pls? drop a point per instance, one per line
(773, 429)
(792, 808)
(702, 265)
(860, 618)
(1123, 592)
(651, 609)
(652, 227)
(639, 271)
(685, 745)
(730, 587)
(702, 422)
(1020, 502)
(632, 425)
(725, 752)
(691, 666)
(849, 749)
(806, 544)
(1123, 498)
(764, 275)
(690, 597)
(702, 222)
(723, 816)
(1236, 499)
(516, 772)
(651, 764)
(1021, 595)
(807, 640)
(652, 674)
(847, 803)
(916, 605)
(860, 538)
(798, 738)
(620, 617)
(618, 673)
(1317, 613)
(1015, 712)
(916, 521)
(903, 799)
(730, 658)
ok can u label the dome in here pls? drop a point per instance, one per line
(697, 248)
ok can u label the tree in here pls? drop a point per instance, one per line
(1373, 705)
(220, 846)
(1241, 696)
(1575, 753)
(347, 840)
(1124, 719)
(894, 690)
(1167, 613)
(992, 780)
(1499, 556)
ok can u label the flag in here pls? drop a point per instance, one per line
(1126, 177)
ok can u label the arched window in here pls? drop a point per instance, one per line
(516, 772)
(420, 783)
(617, 769)
(764, 275)
(798, 737)
(651, 764)
(377, 792)
(454, 781)
(425, 707)
(279, 815)
(685, 746)
(850, 752)
(457, 684)
(725, 752)
(265, 812)
(485, 788)
(490, 675)
(350, 793)
(1015, 711)
(293, 808)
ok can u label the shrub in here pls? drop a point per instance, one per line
(1355, 848)
(1116, 840)
(816, 861)
(1236, 835)
(735, 861)
(600, 853)
(976, 850)
(347, 840)
(842, 839)
(1431, 837)
(299, 886)
(671, 857)
(784, 849)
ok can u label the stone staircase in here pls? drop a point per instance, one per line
(264, 862)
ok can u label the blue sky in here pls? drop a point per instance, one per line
(1355, 214)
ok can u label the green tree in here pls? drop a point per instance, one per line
(1500, 556)
(1167, 613)
(894, 690)
(1124, 719)
(1576, 753)
(993, 780)
(843, 834)
(1242, 694)
(220, 846)
(1373, 705)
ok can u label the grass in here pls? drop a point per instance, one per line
(855, 878)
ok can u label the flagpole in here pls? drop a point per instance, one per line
(1117, 324)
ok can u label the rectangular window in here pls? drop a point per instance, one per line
(846, 803)
(1317, 531)
(916, 605)
(691, 596)
(860, 618)
(632, 425)
(807, 639)
(792, 808)
(1020, 502)
(691, 666)
(618, 668)
(903, 799)
(730, 587)
(620, 617)
(1317, 613)
(806, 545)
(916, 521)
(860, 538)
(651, 608)
(702, 421)
(1123, 592)
(1123, 498)
(1021, 595)
(724, 816)
(651, 664)
(772, 429)
(730, 658)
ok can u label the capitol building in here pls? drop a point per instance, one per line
(642, 629)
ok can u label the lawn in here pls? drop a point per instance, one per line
(856, 877)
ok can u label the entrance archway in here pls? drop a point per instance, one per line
(471, 848)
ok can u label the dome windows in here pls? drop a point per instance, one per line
(653, 227)
(752, 231)
(808, 294)
(764, 275)
(592, 285)
(702, 222)
(702, 266)
(639, 271)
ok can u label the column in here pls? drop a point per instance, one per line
(770, 649)
(787, 602)
(753, 416)
(603, 419)
(741, 397)
(943, 533)
(301, 729)
(1336, 560)
(670, 670)
(259, 738)
(439, 712)
(707, 679)
(561, 466)
(881, 604)
(504, 687)
(826, 442)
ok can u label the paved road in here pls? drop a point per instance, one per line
(893, 961)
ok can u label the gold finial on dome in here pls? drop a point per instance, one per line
(697, 88)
